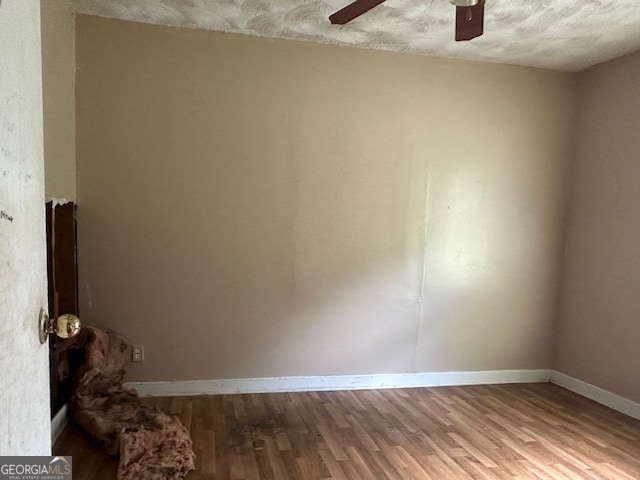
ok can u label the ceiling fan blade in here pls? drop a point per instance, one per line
(469, 21)
(353, 10)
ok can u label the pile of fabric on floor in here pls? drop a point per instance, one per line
(151, 444)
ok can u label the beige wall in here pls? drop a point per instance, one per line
(58, 72)
(598, 337)
(254, 207)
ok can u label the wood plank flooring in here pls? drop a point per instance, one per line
(531, 431)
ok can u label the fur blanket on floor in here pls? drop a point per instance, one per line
(151, 445)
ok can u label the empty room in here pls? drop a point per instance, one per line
(397, 240)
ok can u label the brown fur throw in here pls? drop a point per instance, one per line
(151, 445)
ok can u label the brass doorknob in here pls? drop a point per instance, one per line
(64, 326)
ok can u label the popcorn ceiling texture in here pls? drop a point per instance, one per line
(560, 34)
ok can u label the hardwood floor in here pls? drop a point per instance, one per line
(532, 431)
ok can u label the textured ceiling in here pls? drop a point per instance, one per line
(555, 34)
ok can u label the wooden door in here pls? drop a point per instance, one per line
(62, 279)
(25, 426)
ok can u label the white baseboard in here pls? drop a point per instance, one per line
(337, 382)
(364, 382)
(58, 422)
(597, 394)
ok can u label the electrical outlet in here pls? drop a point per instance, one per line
(137, 353)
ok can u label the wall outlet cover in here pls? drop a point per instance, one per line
(137, 353)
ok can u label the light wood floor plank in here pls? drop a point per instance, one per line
(491, 432)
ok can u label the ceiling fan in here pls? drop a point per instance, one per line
(469, 16)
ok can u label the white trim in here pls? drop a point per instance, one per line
(58, 422)
(337, 382)
(597, 394)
